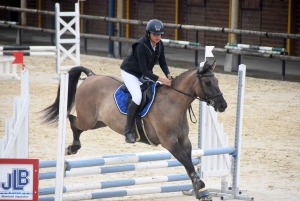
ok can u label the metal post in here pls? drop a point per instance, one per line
(196, 51)
(120, 43)
(53, 27)
(20, 37)
(85, 31)
(283, 61)
(111, 28)
(238, 130)
(23, 18)
(239, 42)
(20, 33)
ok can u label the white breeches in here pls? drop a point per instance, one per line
(133, 85)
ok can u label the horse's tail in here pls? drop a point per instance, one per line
(51, 112)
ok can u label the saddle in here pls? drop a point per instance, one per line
(146, 98)
(146, 94)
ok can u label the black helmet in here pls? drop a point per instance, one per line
(155, 26)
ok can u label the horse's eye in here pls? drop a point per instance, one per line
(208, 83)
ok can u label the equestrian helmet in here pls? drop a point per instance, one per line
(155, 26)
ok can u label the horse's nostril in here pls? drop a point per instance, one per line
(223, 106)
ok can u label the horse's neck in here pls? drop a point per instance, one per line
(186, 83)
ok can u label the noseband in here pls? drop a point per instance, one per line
(207, 99)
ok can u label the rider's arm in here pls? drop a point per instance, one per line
(162, 61)
(140, 54)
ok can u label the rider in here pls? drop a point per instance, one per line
(137, 67)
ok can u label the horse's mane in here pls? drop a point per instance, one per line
(185, 72)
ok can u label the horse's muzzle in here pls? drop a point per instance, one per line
(221, 106)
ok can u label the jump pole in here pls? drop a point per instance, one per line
(131, 158)
(32, 50)
(238, 130)
(64, 80)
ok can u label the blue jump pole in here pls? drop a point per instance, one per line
(114, 169)
(116, 183)
(122, 192)
(132, 157)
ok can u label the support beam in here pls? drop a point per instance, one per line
(111, 28)
(40, 7)
(176, 18)
(23, 14)
(231, 61)
(127, 17)
(118, 45)
(291, 26)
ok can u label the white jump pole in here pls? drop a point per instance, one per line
(238, 130)
(64, 79)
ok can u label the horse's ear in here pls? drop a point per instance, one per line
(213, 65)
(205, 65)
(202, 66)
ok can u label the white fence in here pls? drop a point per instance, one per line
(15, 142)
(7, 69)
(211, 135)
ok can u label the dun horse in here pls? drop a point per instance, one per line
(166, 122)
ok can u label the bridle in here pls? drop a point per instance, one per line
(207, 99)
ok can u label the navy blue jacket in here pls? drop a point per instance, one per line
(142, 58)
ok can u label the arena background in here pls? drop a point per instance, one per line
(282, 16)
(271, 130)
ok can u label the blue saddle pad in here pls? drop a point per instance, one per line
(121, 98)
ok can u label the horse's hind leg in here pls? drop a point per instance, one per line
(76, 145)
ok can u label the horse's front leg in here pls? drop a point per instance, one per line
(183, 155)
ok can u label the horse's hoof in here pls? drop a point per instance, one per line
(69, 151)
(203, 195)
(206, 198)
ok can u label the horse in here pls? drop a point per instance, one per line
(166, 122)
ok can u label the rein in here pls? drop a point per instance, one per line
(207, 99)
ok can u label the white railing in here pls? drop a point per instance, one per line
(213, 137)
(15, 142)
(7, 69)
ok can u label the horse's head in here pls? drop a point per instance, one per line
(209, 88)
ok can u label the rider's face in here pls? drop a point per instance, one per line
(155, 38)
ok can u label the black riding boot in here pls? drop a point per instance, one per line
(132, 110)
